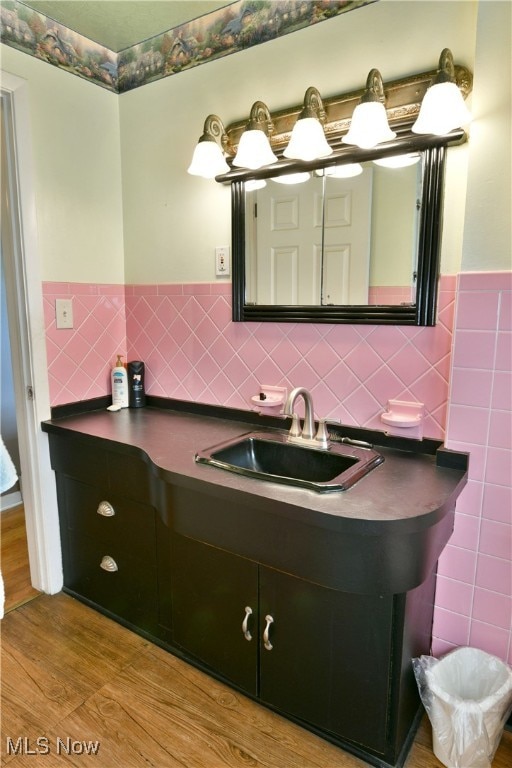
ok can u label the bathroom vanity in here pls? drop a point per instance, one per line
(311, 603)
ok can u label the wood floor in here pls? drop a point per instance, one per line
(15, 566)
(73, 678)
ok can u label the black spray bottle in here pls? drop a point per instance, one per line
(136, 391)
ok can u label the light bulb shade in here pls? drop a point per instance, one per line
(307, 141)
(369, 126)
(254, 150)
(253, 184)
(346, 171)
(292, 178)
(208, 160)
(442, 110)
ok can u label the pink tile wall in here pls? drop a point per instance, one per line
(390, 294)
(193, 351)
(80, 358)
(473, 601)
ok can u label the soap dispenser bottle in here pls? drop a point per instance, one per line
(119, 384)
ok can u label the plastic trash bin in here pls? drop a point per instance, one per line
(468, 697)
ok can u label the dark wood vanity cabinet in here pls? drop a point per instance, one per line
(110, 551)
(211, 590)
(168, 560)
(328, 658)
(108, 530)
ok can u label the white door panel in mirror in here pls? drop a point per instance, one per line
(332, 241)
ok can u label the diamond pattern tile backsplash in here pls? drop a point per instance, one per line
(80, 358)
(193, 351)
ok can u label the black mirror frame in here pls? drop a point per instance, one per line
(423, 312)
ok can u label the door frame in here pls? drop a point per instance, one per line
(28, 341)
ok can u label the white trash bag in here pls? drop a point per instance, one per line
(468, 697)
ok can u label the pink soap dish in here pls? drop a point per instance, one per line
(404, 418)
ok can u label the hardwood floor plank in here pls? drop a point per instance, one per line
(70, 641)
(32, 699)
(198, 718)
(15, 565)
(121, 741)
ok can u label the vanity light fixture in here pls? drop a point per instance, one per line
(292, 178)
(253, 184)
(254, 149)
(369, 125)
(308, 140)
(443, 108)
(208, 159)
(361, 118)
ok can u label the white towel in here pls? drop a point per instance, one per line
(8, 475)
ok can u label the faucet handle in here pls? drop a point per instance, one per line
(322, 435)
(295, 430)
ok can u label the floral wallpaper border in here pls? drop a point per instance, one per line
(228, 30)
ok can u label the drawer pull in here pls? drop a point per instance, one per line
(245, 629)
(106, 509)
(108, 564)
(266, 640)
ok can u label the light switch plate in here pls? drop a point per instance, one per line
(222, 261)
(64, 313)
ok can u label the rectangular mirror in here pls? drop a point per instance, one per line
(341, 250)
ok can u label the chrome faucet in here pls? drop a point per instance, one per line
(307, 435)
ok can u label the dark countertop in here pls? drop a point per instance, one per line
(407, 488)
(382, 535)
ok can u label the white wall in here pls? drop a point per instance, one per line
(75, 130)
(487, 236)
(391, 259)
(173, 221)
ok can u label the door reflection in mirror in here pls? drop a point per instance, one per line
(334, 240)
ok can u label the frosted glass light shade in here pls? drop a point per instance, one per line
(254, 150)
(369, 126)
(254, 184)
(292, 178)
(307, 141)
(346, 171)
(442, 110)
(208, 160)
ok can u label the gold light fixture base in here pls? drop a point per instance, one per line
(403, 101)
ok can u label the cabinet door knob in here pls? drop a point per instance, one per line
(266, 641)
(108, 564)
(245, 623)
(106, 509)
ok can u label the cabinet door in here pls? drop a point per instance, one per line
(212, 591)
(110, 560)
(330, 659)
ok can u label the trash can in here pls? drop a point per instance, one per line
(468, 697)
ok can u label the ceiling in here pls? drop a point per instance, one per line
(119, 24)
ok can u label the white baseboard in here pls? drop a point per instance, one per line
(10, 500)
